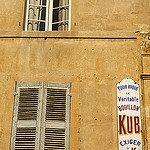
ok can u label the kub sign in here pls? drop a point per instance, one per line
(129, 118)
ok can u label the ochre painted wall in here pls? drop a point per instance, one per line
(93, 66)
(87, 17)
(100, 50)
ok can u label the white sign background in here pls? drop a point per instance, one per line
(129, 118)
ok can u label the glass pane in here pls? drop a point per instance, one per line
(55, 27)
(36, 12)
(37, 2)
(58, 3)
(42, 26)
(36, 26)
(55, 15)
(60, 15)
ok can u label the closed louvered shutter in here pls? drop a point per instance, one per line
(41, 116)
(56, 113)
(27, 115)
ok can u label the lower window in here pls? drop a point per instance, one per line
(41, 117)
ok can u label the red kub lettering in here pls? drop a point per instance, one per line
(121, 124)
(130, 126)
(136, 124)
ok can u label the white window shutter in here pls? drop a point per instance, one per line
(27, 116)
(41, 118)
(56, 116)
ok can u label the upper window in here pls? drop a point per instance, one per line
(41, 116)
(47, 15)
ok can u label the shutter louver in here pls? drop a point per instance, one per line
(28, 103)
(25, 139)
(54, 138)
(27, 111)
(27, 114)
(56, 116)
(56, 104)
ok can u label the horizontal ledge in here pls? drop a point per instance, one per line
(69, 34)
(145, 54)
(145, 76)
(69, 37)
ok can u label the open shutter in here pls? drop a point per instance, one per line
(27, 116)
(56, 112)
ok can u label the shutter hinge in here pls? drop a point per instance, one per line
(15, 93)
(70, 94)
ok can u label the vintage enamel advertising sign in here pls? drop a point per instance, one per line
(129, 118)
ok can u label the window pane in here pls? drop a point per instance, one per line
(43, 2)
(55, 27)
(60, 15)
(55, 15)
(56, 3)
(36, 12)
(37, 2)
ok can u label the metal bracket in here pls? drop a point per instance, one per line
(70, 94)
(15, 93)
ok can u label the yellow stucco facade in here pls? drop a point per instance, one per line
(108, 42)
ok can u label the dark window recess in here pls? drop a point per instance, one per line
(56, 3)
(55, 19)
(44, 2)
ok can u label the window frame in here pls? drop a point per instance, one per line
(41, 112)
(49, 16)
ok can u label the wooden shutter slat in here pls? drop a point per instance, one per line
(25, 138)
(54, 138)
(27, 109)
(56, 104)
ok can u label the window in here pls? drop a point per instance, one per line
(48, 15)
(41, 116)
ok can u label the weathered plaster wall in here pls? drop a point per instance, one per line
(113, 15)
(93, 66)
(87, 17)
